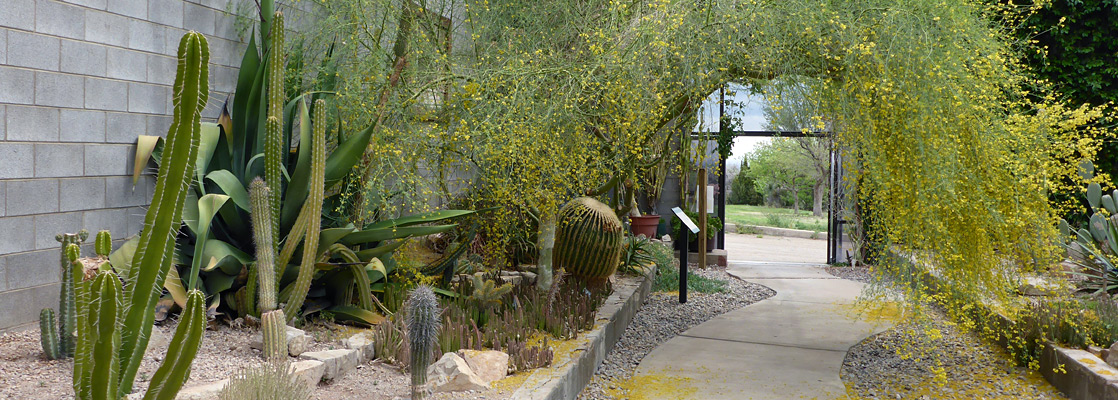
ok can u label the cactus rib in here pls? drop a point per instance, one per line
(48, 336)
(273, 328)
(311, 212)
(175, 369)
(154, 253)
(588, 239)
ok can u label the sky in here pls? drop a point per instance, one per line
(748, 116)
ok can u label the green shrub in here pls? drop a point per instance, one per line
(268, 381)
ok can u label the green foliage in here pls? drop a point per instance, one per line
(1094, 250)
(667, 280)
(273, 327)
(637, 254)
(423, 331)
(743, 188)
(588, 239)
(268, 381)
(310, 218)
(714, 224)
(48, 334)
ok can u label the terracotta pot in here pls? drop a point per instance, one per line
(644, 225)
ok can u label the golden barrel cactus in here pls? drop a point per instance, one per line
(588, 239)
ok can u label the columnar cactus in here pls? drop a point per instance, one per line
(154, 251)
(175, 370)
(423, 331)
(66, 311)
(588, 239)
(273, 131)
(104, 343)
(48, 334)
(310, 216)
(263, 225)
(103, 244)
(273, 327)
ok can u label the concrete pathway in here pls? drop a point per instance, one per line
(790, 346)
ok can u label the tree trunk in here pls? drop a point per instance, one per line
(817, 206)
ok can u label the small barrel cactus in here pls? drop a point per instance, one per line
(423, 330)
(273, 326)
(588, 239)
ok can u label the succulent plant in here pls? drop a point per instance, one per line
(48, 334)
(263, 231)
(269, 381)
(273, 328)
(309, 221)
(423, 332)
(103, 245)
(588, 239)
(66, 311)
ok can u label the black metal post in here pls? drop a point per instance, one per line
(683, 263)
(721, 198)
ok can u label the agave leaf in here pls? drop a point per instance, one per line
(342, 160)
(382, 249)
(208, 137)
(300, 177)
(230, 260)
(357, 315)
(145, 145)
(419, 218)
(207, 208)
(1094, 195)
(376, 271)
(377, 235)
(231, 186)
(173, 284)
(328, 237)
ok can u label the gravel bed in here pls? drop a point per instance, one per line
(660, 318)
(857, 274)
(934, 359)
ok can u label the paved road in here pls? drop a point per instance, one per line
(789, 346)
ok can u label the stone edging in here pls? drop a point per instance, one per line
(566, 378)
(774, 231)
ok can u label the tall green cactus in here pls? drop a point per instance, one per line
(423, 331)
(104, 307)
(66, 321)
(48, 335)
(154, 252)
(263, 225)
(103, 244)
(175, 370)
(588, 239)
(310, 217)
(82, 351)
(273, 328)
(273, 131)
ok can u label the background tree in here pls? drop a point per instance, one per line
(788, 107)
(743, 189)
(781, 170)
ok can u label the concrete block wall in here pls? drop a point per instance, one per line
(79, 81)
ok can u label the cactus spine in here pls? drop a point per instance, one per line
(103, 244)
(274, 329)
(66, 310)
(273, 131)
(48, 335)
(588, 239)
(175, 370)
(263, 224)
(154, 252)
(310, 216)
(423, 331)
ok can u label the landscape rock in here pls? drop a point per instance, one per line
(1112, 355)
(529, 276)
(489, 365)
(361, 342)
(309, 371)
(157, 343)
(337, 362)
(297, 341)
(452, 374)
(202, 392)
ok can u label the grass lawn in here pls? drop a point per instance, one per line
(775, 217)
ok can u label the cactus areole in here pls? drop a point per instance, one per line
(588, 239)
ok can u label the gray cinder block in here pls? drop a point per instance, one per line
(107, 159)
(149, 99)
(32, 50)
(32, 124)
(127, 64)
(19, 85)
(37, 196)
(17, 160)
(59, 90)
(82, 126)
(124, 127)
(107, 28)
(77, 194)
(58, 160)
(83, 58)
(19, 14)
(25, 241)
(59, 19)
(131, 8)
(47, 226)
(106, 94)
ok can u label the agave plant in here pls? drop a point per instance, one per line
(1094, 250)
(250, 143)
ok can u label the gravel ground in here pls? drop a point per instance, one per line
(662, 318)
(935, 360)
(27, 375)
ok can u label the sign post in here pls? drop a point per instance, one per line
(686, 225)
(702, 195)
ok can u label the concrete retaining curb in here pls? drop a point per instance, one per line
(567, 376)
(773, 231)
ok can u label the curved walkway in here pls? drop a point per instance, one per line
(790, 346)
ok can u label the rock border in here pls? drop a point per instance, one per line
(566, 378)
(774, 231)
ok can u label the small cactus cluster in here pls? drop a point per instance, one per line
(423, 333)
(58, 340)
(588, 239)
